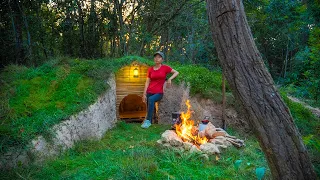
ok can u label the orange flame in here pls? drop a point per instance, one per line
(185, 129)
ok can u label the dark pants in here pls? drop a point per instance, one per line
(151, 99)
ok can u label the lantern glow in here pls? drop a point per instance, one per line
(135, 72)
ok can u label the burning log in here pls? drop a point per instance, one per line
(194, 131)
(204, 137)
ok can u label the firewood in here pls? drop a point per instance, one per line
(194, 131)
(236, 143)
(232, 137)
(218, 133)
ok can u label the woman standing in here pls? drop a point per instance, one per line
(153, 90)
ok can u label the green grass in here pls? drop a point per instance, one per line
(35, 99)
(130, 152)
(203, 82)
(309, 127)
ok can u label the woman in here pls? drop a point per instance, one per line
(153, 90)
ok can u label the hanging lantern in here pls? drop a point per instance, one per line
(135, 72)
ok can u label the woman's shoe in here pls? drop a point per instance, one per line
(146, 123)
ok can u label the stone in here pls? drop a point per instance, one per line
(167, 145)
(187, 145)
(170, 136)
(204, 157)
(194, 149)
(181, 149)
(209, 148)
(159, 142)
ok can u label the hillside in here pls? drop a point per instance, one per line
(35, 99)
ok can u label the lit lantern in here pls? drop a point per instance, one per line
(135, 72)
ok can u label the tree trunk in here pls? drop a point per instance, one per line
(254, 88)
(81, 28)
(224, 126)
(68, 32)
(122, 39)
(16, 18)
(131, 25)
(286, 61)
(25, 21)
(92, 40)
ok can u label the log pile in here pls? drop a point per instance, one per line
(218, 139)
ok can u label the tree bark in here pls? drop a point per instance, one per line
(92, 40)
(25, 21)
(224, 126)
(286, 60)
(68, 32)
(16, 18)
(254, 88)
(122, 39)
(81, 28)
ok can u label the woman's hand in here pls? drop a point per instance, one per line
(169, 82)
(175, 74)
(144, 98)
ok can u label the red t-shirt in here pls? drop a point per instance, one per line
(157, 78)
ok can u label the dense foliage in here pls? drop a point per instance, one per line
(287, 35)
(32, 31)
(286, 32)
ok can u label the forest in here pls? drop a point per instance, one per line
(286, 33)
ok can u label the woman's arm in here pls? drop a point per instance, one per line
(144, 96)
(175, 74)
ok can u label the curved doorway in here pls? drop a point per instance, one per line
(132, 108)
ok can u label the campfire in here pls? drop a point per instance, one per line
(204, 136)
(187, 131)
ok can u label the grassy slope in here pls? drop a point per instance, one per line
(34, 99)
(203, 81)
(129, 152)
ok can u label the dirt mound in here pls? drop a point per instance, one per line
(175, 98)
